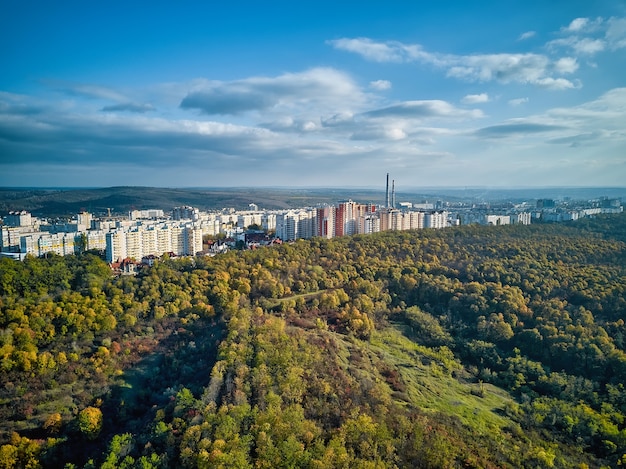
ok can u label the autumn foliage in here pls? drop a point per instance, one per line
(465, 347)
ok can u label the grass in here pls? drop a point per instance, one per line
(306, 296)
(432, 385)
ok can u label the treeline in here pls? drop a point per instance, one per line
(284, 357)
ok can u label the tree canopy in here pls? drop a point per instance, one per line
(465, 347)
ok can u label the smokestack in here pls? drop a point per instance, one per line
(387, 193)
(393, 194)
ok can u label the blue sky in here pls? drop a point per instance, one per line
(473, 93)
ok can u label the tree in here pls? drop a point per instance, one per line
(90, 422)
(53, 423)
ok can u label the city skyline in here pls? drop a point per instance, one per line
(515, 94)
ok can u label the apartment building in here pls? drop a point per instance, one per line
(157, 240)
(436, 219)
(41, 243)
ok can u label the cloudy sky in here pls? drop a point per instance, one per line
(312, 93)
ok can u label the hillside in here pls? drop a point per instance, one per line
(465, 347)
(64, 202)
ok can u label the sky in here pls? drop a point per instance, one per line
(313, 93)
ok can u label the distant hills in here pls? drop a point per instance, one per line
(52, 202)
(60, 202)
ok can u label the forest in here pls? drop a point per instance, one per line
(469, 347)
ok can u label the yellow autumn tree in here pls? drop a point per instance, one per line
(90, 422)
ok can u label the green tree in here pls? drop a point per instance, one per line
(90, 422)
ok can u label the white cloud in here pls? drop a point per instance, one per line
(557, 83)
(475, 98)
(289, 124)
(583, 26)
(518, 101)
(596, 122)
(566, 65)
(608, 110)
(588, 37)
(380, 85)
(589, 46)
(292, 147)
(318, 87)
(379, 133)
(616, 32)
(529, 68)
(309, 126)
(582, 46)
(577, 25)
(424, 109)
(532, 69)
(390, 51)
(527, 35)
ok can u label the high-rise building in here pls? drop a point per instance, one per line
(436, 219)
(186, 213)
(96, 240)
(140, 242)
(268, 221)
(163, 239)
(416, 220)
(84, 221)
(18, 218)
(193, 241)
(369, 224)
(325, 221)
(116, 246)
(345, 218)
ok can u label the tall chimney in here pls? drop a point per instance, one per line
(393, 194)
(387, 193)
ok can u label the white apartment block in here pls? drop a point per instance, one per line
(497, 220)
(245, 219)
(10, 237)
(268, 221)
(306, 224)
(96, 240)
(83, 221)
(287, 225)
(178, 240)
(116, 246)
(150, 214)
(523, 218)
(41, 243)
(296, 224)
(193, 243)
(437, 219)
(369, 224)
(156, 240)
(163, 240)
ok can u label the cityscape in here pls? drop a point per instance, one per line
(144, 235)
(313, 235)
